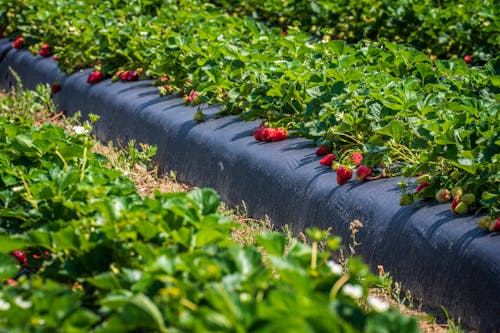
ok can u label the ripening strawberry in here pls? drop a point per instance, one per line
(468, 58)
(454, 203)
(20, 257)
(421, 187)
(279, 134)
(129, 76)
(193, 95)
(443, 195)
(11, 282)
(362, 172)
(56, 58)
(55, 87)
(328, 159)
(45, 50)
(95, 77)
(322, 150)
(485, 222)
(495, 226)
(343, 175)
(18, 43)
(357, 158)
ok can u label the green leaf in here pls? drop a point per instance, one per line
(394, 129)
(8, 266)
(107, 280)
(248, 260)
(140, 310)
(10, 243)
(272, 242)
(207, 199)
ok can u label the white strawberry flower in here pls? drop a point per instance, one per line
(354, 291)
(334, 267)
(22, 303)
(4, 306)
(80, 130)
(377, 304)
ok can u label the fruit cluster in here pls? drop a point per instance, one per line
(345, 166)
(270, 134)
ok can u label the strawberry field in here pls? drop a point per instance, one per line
(408, 113)
(389, 92)
(81, 251)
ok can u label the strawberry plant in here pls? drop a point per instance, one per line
(444, 29)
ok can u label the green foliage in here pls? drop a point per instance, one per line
(103, 259)
(407, 113)
(442, 28)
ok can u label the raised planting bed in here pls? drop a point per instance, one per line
(443, 259)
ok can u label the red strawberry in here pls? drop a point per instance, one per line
(1, 32)
(468, 58)
(193, 95)
(129, 76)
(343, 175)
(322, 150)
(496, 225)
(328, 160)
(55, 87)
(284, 31)
(279, 134)
(18, 43)
(45, 50)
(454, 203)
(421, 187)
(11, 282)
(56, 58)
(95, 77)
(257, 134)
(356, 157)
(20, 257)
(363, 172)
(267, 134)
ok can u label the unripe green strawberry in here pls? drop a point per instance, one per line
(405, 200)
(462, 208)
(423, 179)
(468, 198)
(484, 222)
(199, 116)
(457, 192)
(455, 174)
(443, 195)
